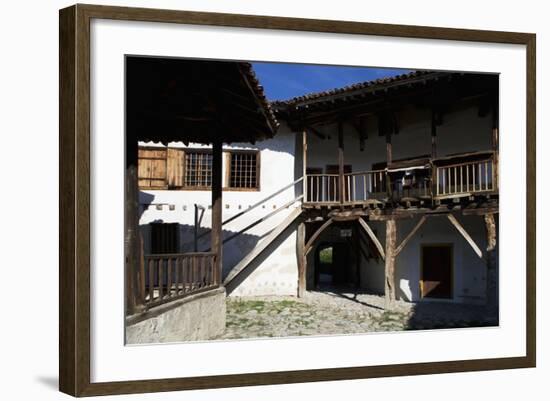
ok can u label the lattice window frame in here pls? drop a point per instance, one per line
(195, 183)
(250, 178)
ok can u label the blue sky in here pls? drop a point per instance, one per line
(282, 81)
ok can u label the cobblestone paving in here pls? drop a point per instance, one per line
(341, 312)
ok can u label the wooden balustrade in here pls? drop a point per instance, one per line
(465, 178)
(321, 188)
(361, 186)
(172, 276)
(455, 180)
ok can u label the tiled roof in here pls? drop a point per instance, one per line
(352, 90)
(259, 92)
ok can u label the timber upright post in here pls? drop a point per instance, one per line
(302, 258)
(494, 144)
(434, 135)
(132, 237)
(389, 158)
(389, 287)
(492, 274)
(216, 233)
(341, 185)
(304, 165)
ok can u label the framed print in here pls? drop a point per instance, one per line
(253, 187)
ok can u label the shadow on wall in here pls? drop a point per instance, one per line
(145, 200)
(233, 251)
(258, 260)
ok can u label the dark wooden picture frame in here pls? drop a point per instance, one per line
(74, 205)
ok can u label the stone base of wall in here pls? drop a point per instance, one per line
(194, 318)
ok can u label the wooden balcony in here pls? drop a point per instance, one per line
(429, 182)
(167, 277)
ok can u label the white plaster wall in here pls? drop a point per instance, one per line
(469, 271)
(277, 273)
(462, 131)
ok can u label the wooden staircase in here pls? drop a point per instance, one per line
(259, 249)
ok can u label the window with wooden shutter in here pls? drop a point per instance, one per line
(244, 170)
(175, 160)
(152, 168)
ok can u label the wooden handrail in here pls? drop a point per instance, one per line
(172, 276)
(175, 255)
(254, 205)
(261, 219)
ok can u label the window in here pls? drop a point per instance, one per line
(164, 238)
(152, 168)
(198, 169)
(191, 169)
(244, 170)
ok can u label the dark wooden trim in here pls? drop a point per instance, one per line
(301, 258)
(311, 241)
(68, 316)
(74, 214)
(217, 208)
(341, 184)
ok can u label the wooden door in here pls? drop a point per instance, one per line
(436, 279)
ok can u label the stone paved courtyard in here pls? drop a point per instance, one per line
(342, 312)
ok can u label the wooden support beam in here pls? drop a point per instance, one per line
(216, 233)
(302, 258)
(304, 165)
(357, 247)
(411, 234)
(490, 226)
(363, 135)
(492, 275)
(388, 148)
(434, 135)
(494, 143)
(389, 270)
(316, 132)
(131, 241)
(316, 234)
(341, 161)
(371, 235)
(465, 234)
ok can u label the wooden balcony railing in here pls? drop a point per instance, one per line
(322, 188)
(365, 185)
(425, 182)
(465, 178)
(171, 276)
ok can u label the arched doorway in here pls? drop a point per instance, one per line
(333, 264)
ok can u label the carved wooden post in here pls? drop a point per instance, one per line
(389, 288)
(302, 258)
(492, 274)
(217, 208)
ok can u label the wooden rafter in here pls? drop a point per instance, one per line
(465, 234)
(411, 234)
(316, 132)
(371, 235)
(316, 234)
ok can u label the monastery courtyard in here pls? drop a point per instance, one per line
(342, 312)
